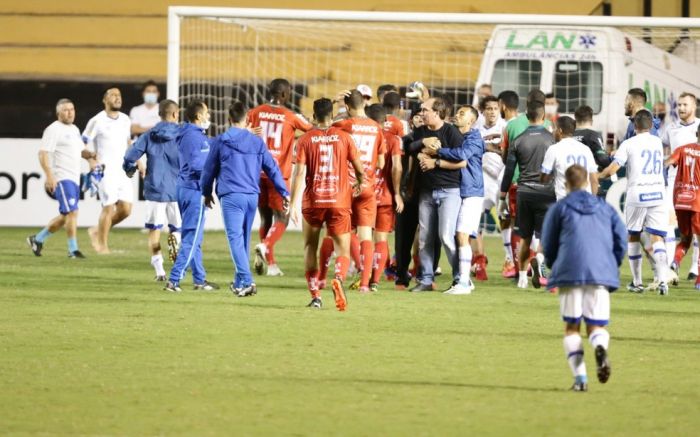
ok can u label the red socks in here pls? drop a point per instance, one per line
(355, 251)
(325, 257)
(312, 281)
(515, 244)
(381, 256)
(342, 264)
(367, 250)
(273, 236)
(681, 250)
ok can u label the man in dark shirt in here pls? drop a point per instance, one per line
(591, 138)
(439, 195)
(533, 196)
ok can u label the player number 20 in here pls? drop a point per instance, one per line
(577, 159)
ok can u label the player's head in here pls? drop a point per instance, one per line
(366, 92)
(508, 100)
(382, 90)
(197, 112)
(391, 101)
(168, 111)
(535, 112)
(150, 92)
(635, 100)
(491, 109)
(687, 103)
(465, 117)
(584, 115)
(112, 99)
(576, 178)
(355, 100)
(565, 127)
(65, 111)
(377, 113)
(642, 121)
(323, 110)
(237, 112)
(536, 95)
(551, 105)
(659, 110)
(484, 90)
(434, 110)
(416, 121)
(280, 90)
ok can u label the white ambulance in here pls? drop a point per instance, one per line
(594, 66)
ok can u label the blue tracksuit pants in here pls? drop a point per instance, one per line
(238, 210)
(190, 254)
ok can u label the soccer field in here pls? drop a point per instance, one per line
(94, 347)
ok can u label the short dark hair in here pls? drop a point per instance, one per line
(642, 120)
(488, 99)
(470, 109)
(576, 177)
(687, 94)
(549, 96)
(354, 100)
(376, 112)
(536, 95)
(147, 84)
(566, 125)
(440, 106)
(279, 86)
(323, 108)
(386, 88)
(193, 109)
(583, 114)
(165, 107)
(509, 98)
(535, 110)
(391, 101)
(237, 111)
(110, 87)
(638, 93)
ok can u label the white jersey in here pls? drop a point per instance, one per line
(677, 134)
(644, 156)
(64, 144)
(109, 137)
(144, 117)
(492, 163)
(563, 155)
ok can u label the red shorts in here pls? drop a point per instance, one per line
(337, 220)
(385, 218)
(269, 197)
(513, 200)
(688, 222)
(364, 209)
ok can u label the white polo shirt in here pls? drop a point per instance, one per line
(64, 144)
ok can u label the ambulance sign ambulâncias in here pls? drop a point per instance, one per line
(558, 45)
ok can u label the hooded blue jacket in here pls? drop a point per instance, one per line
(584, 242)
(472, 151)
(193, 145)
(235, 161)
(162, 168)
(655, 127)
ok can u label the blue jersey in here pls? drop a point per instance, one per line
(472, 150)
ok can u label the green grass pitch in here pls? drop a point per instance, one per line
(95, 347)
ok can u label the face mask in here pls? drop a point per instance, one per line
(550, 109)
(205, 125)
(661, 115)
(150, 98)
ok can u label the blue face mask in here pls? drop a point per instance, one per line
(150, 98)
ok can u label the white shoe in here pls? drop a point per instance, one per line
(273, 270)
(672, 277)
(460, 288)
(522, 282)
(260, 253)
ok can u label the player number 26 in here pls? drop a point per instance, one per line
(653, 163)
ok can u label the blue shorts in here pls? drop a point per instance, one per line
(67, 193)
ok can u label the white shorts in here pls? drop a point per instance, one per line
(590, 302)
(114, 188)
(653, 219)
(492, 188)
(470, 215)
(160, 213)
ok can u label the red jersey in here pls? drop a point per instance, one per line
(686, 188)
(326, 154)
(394, 125)
(369, 141)
(279, 125)
(384, 185)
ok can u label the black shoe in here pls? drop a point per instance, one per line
(691, 276)
(421, 287)
(76, 254)
(579, 386)
(206, 286)
(536, 273)
(250, 290)
(601, 359)
(35, 245)
(173, 288)
(316, 302)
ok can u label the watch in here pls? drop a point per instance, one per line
(437, 163)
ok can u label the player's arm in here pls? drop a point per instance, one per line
(593, 181)
(609, 170)
(547, 167)
(618, 161)
(381, 162)
(427, 164)
(133, 154)
(508, 173)
(396, 172)
(210, 171)
(44, 160)
(359, 173)
(673, 159)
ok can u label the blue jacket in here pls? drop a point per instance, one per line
(472, 151)
(193, 145)
(235, 161)
(162, 168)
(584, 242)
(655, 128)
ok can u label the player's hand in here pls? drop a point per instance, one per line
(399, 203)
(285, 205)
(142, 169)
(432, 142)
(209, 201)
(427, 164)
(357, 188)
(340, 98)
(50, 184)
(254, 130)
(294, 216)
(503, 209)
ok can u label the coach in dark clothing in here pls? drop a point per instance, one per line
(585, 134)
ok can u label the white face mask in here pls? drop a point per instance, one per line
(205, 124)
(550, 109)
(150, 98)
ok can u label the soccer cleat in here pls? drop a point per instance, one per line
(172, 247)
(509, 270)
(260, 252)
(438, 271)
(35, 245)
(663, 289)
(161, 278)
(421, 288)
(364, 290)
(76, 254)
(635, 288)
(522, 283)
(579, 386)
(250, 290)
(603, 364)
(341, 301)
(206, 286)
(691, 276)
(459, 289)
(173, 288)
(374, 287)
(316, 302)
(355, 285)
(274, 270)
(480, 268)
(673, 277)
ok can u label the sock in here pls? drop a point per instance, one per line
(312, 281)
(43, 235)
(599, 337)
(263, 232)
(679, 253)
(534, 244)
(366, 257)
(670, 242)
(381, 256)
(634, 253)
(325, 258)
(505, 235)
(514, 245)
(573, 348)
(273, 236)
(72, 244)
(694, 263)
(342, 264)
(523, 274)
(659, 255)
(465, 263)
(355, 251)
(157, 263)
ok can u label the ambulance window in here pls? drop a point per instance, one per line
(516, 75)
(578, 83)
